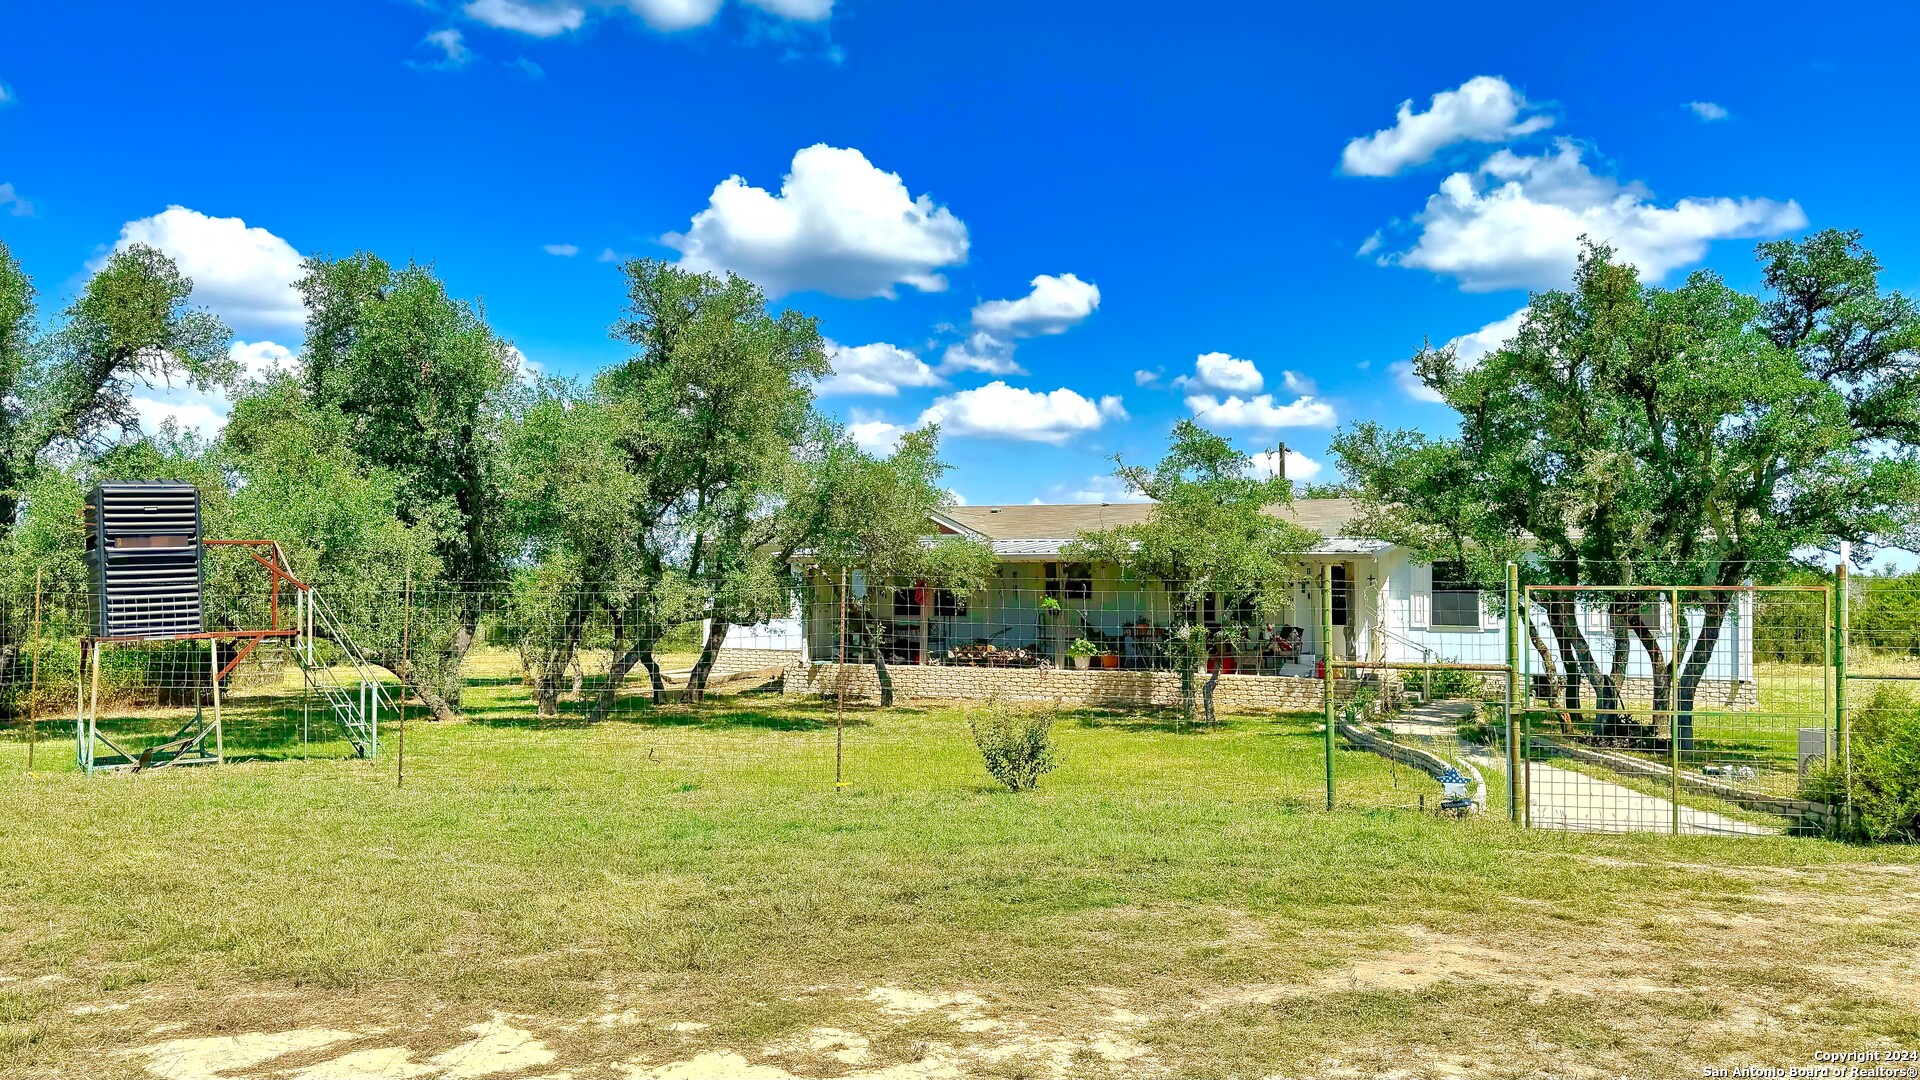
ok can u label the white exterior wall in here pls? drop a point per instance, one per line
(1392, 618)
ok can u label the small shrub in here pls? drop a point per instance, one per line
(1083, 647)
(1885, 767)
(1454, 683)
(1016, 745)
(1486, 727)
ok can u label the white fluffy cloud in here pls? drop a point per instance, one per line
(1516, 222)
(1295, 383)
(6, 94)
(154, 412)
(243, 274)
(1468, 349)
(878, 368)
(565, 251)
(528, 16)
(1055, 305)
(797, 10)
(997, 410)
(1096, 489)
(1218, 371)
(1483, 109)
(1260, 411)
(207, 412)
(550, 18)
(1299, 465)
(875, 435)
(981, 352)
(673, 14)
(839, 225)
(259, 359)
(453, 48)
(1708, 111)
(1143, 377)
(11, 201)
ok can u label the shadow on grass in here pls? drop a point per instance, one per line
(638, 711)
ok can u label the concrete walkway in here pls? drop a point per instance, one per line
(1560, 798)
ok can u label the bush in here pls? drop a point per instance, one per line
(1016, 745)
(1885, 769)
(1454, 683)
(1486, 727)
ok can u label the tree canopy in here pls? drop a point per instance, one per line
(1693, 436)
(1214, 533)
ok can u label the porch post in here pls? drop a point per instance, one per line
(925, 602)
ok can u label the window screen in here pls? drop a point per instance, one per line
(1456, 598)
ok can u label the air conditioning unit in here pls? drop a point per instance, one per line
(144, 551)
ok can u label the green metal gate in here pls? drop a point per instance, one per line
(1664, 709)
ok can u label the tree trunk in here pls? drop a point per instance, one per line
(1563, 616)
(1206, 693)
(1657, 657)
(709, 652)
(438, 707)
(553, 660)
(456, 660)
(1715, 611)
(1547, 679)
(640, 652)
(870, 639)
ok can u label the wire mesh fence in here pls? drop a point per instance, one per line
(1692, 709)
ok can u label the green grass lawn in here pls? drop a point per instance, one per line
(679, 885)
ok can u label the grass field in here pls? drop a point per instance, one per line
(682, 893)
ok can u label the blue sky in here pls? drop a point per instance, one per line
(1031, 221)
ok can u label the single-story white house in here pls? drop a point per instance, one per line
(1386, 607)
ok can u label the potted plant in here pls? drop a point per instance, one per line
(1080, 652)
(1110, 660)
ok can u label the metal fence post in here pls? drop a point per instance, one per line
(1842, 607)
(1513, 692)
(33, 686)
(1673, 713)
(1326, 665)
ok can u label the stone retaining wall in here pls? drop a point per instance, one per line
(1638, 690)
(734, 661)
(1097, 687)
(1431, 764)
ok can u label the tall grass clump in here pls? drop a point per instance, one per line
(1016, 745)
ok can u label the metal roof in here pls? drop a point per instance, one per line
(1064, 521)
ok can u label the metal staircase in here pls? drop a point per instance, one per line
(349, 684)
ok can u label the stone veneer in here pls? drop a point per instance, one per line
(1093, 687)
(1112, 687)
(1638, 690)
(734, 661)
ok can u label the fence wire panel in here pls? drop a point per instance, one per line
(1681, 710)
(1428, 693)
(1873, 775)
(1652, 708)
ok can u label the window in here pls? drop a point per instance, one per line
(906, 603)
(1070, 581)
(1241, 612)
(947, 605)
(1456, 598)
(1340, 591)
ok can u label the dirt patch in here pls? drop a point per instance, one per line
(217, 1057)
